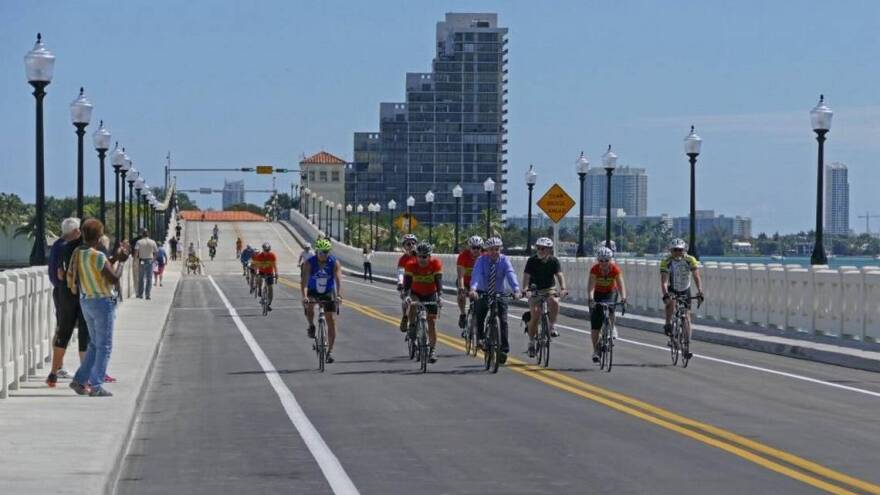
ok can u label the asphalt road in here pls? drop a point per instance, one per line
(216, 419)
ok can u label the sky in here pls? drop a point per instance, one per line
(231, 84)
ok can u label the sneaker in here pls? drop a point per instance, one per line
(52, 380)
(432, 357)
(667, 329)
(100, 392)
(553, 332)
(532, 349)
(595, 357)
(62, 373)
(464, 334)
(462, 320)
(502, 358)
(79, 388)
(688, 355)
(329, 358)
(404, 323)
(268, 307)
(614, 333)
(109, 379)
(311, 331)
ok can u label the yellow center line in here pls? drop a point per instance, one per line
(661, 417)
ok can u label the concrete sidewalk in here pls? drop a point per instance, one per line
(55, 441)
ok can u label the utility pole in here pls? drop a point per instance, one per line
(868, 216)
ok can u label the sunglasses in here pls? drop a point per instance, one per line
(543, 248)
(677, 250)
(325, 253)
(423, 257)
(604, 261)
(475, 248)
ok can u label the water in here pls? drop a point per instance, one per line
(833, 262)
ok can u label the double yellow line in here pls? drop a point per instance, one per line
(763, 455)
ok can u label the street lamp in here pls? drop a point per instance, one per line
(410, 202)
(582, 166)
(101, 138)
(609, 161)
(820, 117)
(131, 178)
(39, 64)
(330, 219)
(304, 205)
(429, 198)
(531, 179)
(489, 187)
(456, 193)
(392, 205)
(339, 223)
(117, 159)
(360, 210)
(692, 144)
(126, 166)
(80, 115)
(377, 208)
(348, 210)
(138, 187)
(319, 211)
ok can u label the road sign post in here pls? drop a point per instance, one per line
(555, 203)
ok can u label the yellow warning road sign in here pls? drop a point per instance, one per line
(556, 203)
(402, 222)
(265, 169)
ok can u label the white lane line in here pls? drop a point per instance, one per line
(700, 356)
(333, 471)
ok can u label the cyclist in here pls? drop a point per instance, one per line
(238, 244)
(304, 256)
(409, 242)
(423, 282)
(322, 275)
(497, 264)
(245, 258)
(544, 272)
(606, 283)
(212, 247)
(267, 268)
(216, 232)
(191, 250)
(463, 267)
(675, 279)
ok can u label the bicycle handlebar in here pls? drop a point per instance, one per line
(613, 305)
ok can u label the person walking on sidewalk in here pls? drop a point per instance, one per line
(92, 274)
(368, 264)
(172, 246)
(145, 250)
(159, 265)
(67, 309)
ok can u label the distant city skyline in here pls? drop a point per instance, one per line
(236, 85)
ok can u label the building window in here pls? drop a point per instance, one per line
(322, 176)
(334, 176)
(311, 176)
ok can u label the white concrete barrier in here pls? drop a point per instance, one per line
(872, 308)
(777, 298)
(828, 297)
(853, 304)
(799, 301)
(759, 295)
(27, 320)
(742, 276)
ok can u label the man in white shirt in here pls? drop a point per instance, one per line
(145, 250)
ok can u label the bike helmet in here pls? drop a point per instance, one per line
(544, 242)
(267, 246)
(678, 244)
(475, 241)
(409, 238)
(604, 254)
(323, 245)
(424, 249)
(493, 242)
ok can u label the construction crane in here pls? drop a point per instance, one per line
(868, 216)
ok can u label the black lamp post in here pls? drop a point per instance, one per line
(820, 117)
(39, 64)
(531, 180)
(348, 235)
(330, 206)
(360, 210)
(609, 161)
(131, 178)
(318, 211)
(429, 198)
(457, 192)
(340, 225)
(117, 159)
(377, 209)
(138, 188)
(410, 202)
(692, 144)
(370, 210)
(582, 166)
(101, 138)
(489, 187)
(392, 205)
(80, 115)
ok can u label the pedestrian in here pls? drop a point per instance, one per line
(145, 250)
(67, 309)
(172, 246)
(368, 263)
(92, 274)
(177, 230)
(159, 265)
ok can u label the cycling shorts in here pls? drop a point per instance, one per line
(327, 298)
(432, 309)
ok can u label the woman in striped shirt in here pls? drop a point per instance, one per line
(95, 281)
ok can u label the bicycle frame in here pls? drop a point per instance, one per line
(422, 331)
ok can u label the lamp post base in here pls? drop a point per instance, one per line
(819, 257)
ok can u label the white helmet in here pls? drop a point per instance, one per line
(544, 242)
(475, 241)
(267, 246)
(678, 244)
(493, 242)
(604, 253)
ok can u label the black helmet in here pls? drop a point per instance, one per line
(424, 249)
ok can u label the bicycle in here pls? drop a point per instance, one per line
(492, 348)
(320, 344)
(421, 332)
(212, 251)
(264, 294)
(543, 337)
(679, 341)
(606, 334)
(470, 331)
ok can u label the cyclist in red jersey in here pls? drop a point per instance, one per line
(423, 282)
(463, 267)
(409, 242)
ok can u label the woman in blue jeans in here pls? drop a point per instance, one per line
(95, 278)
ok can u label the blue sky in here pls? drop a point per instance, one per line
(244, 83)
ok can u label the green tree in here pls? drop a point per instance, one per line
(247, 207)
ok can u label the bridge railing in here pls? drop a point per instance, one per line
(27, 321)
(814, 299)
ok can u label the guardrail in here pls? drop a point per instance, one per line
(27, 321)
(842, 303)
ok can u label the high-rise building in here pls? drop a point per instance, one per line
(737, 227)
(452, 127)
(836, 199)
(233, 192)
(629, 191)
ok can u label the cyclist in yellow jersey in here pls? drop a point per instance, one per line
(675, 278)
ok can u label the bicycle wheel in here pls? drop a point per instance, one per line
(496, 345)
(609, 348)
(264, 302)
(544, 359)
(411, 345)
(468, 341)
(423, 345)
(472, 332)
(603, 354)
(685, 349)
(321, 345)
(673, 348)
(489, 347)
